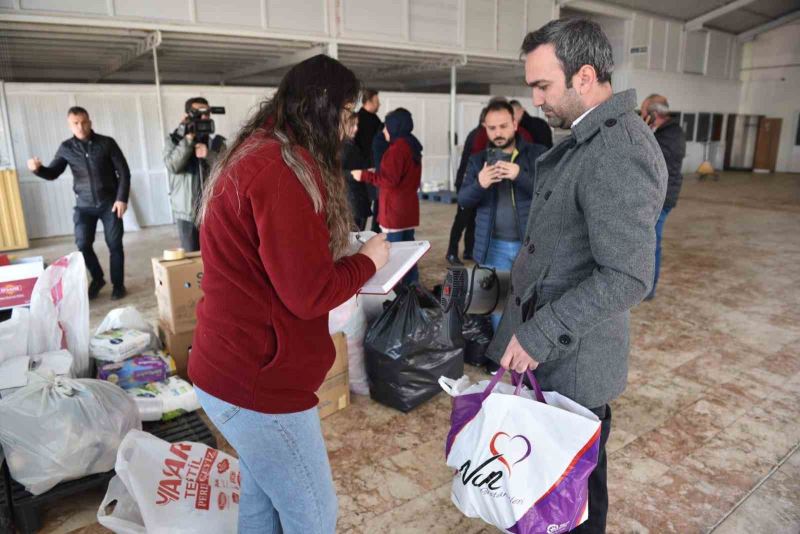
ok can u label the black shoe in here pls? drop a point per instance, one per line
(492, 367)
(94, 288)
(468, 257)
(452, 259)
(119, 292)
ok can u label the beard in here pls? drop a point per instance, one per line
(502, 142)
(569, 109)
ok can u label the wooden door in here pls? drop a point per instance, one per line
(767, 142)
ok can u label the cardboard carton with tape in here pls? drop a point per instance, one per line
(178, 278)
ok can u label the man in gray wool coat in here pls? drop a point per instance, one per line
(589, 247)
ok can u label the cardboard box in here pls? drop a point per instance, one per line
(17, 280)
(334, 395)
(178, 291)
(340, 363)
(179, 346)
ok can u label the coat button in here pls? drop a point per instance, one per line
(531, 248)
(517, 301)
(611, 122)
(564, 339)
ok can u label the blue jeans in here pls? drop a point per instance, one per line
(287, 486)
(501, 256)
(405, 235)
(659, 231)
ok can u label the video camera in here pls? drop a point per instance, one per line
(200, 127)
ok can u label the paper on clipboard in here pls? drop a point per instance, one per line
(403, 256)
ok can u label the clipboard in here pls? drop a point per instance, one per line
(403, 256)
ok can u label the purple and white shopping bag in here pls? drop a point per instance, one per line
(522, 458)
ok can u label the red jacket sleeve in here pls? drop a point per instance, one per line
(293, 246)
(394, 166)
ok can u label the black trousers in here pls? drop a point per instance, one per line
(189, 235)
(598, 483)
(464, 220)
(85, 220)
(375, 226)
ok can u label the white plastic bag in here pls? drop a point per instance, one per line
(522, 461)
(60, 311)
(129, 318)
(340, 316)
(14, 334)
(355, 331)
(164, 488)
(57, 428)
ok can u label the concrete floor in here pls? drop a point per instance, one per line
(711, 409)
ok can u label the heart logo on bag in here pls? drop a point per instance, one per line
(510, 450)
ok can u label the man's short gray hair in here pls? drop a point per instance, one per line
(577, 42)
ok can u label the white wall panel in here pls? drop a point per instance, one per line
(153, 9)
(658, 40)
(673, 50)
(511, 24)
(718, 50)
(235, 12)
(385, 19)
(640, 38)
(302, 15)
(481, 27)
(95, 7)
(435, 21)
(540, 12)
(129, 114)
(694, 53)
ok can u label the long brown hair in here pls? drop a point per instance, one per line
(307, 112)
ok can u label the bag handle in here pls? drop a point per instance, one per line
(492, 383)
(516, 379)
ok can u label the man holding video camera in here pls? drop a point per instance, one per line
(189, 155)
(499, 182)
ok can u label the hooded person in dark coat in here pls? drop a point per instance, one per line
(357, 192)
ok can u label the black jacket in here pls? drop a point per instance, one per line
(672, 141)
(538, 128)
(357, 192)
(472, 195)
(465, 154)
(368, 125)
(99, 170)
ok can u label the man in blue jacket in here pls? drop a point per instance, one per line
(499, 182)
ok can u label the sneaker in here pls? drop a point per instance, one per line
(452, 259)
(468, 257)
(492, 367)
(119, 292)
(94, 288)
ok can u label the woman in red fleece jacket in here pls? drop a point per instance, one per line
(275, 228)
(398, 181)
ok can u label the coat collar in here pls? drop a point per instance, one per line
(619, 104)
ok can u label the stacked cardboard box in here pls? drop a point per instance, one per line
(334, 393)
(177, 292)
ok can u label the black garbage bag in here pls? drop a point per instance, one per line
(478, 333)
(408, 348)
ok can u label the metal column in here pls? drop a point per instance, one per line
(453, 154)
(159, 103)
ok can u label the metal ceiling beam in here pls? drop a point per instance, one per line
(285, 61)
(424, 66)
(144, 46)
(697, 22)
(752, 33)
